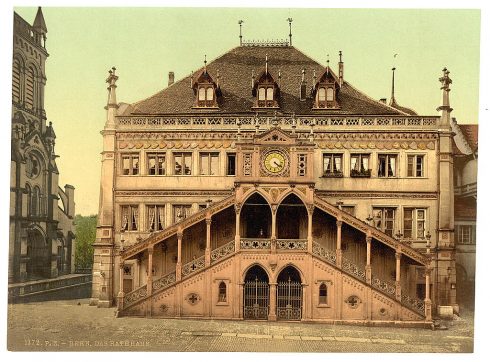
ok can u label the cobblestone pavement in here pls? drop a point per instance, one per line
(67, 326)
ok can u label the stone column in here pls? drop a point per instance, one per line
(368, 258)
(237, 227)
(178, 267)
(339, 243)
(120, 295)
(427, 301)
(207, 253)
(273, 305)
(397, 280)
(149, 277)
(310, 209)
(273, 226)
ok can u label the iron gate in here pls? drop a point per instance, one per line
(256, 299)
(289, 300)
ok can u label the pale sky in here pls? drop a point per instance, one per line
(146, 43)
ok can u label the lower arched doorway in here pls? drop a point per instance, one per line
(256, 294)
(38, 257)
(289, 294)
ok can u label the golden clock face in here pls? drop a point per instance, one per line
(274, 162)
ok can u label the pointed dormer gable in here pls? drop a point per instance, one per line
(275, 136)
(206, 91)
(266, 90)
(325, 92)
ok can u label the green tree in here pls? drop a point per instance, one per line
(85, 227)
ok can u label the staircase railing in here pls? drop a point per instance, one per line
(164, 281)
(135, 296)
(375, 233)
(358, 272)
(325, 254)
(222, 251)
(173, 229)
(193, 266)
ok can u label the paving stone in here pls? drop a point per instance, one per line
(311, 338)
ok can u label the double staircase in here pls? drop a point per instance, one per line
(224, 252)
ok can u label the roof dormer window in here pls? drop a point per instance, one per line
(206, 90)
(325, 91)
(266, 90)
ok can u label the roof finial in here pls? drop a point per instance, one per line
(328, 60)
(341, 69)
(290, 20)
(240, 22)
(205, 63)
(392, 86)
(266, 63)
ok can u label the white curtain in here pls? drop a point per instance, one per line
(161, 217)
(353, 163)
(337, 164)
(135, 218)
(151, 218)
(392, 166)
(365, 163)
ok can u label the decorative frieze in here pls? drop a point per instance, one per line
(371, 194)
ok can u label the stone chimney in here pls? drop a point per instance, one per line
(341, 69)
(170, 78)
(382, 100)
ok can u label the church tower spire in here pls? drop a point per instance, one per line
(40, 28)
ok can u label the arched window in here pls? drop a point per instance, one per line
(329, 94)
(202, 94)
(322, 295)
(270, 94)
(16, 81)
(30, 88)
(261, 94)
(209, 94)
(36, 195)
(29, 201)
(321, 94)
(222, 292)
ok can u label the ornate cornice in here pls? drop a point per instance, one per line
(379, 194)
(158, 193)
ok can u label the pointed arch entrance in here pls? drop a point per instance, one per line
(289, 294)
(256, 294)
(292, 218)
(256, 217)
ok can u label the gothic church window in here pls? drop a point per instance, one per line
(30, 86)
(33, 166)
(36, 201)
(17, 81)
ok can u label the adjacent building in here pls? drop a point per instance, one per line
(41, 212)
(267, 186)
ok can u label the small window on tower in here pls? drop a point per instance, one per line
(330, 94)
(202, 94)
(321, 94)
(261, 94)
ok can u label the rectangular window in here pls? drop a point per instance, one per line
(181, 212)
(415, 166)
(231, 164)
(466, 234)
(156, 164)
(414, 223)
(359, 165)
(156, 217)
(208, 163)
(129, 217)
(332, 165)
(182, 163)
(384, 219)
(130, 164)
(387, 165)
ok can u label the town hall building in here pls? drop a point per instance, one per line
(267, 186)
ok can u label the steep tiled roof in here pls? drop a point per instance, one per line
(470, 132)
(235, 69)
